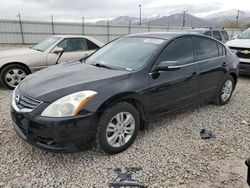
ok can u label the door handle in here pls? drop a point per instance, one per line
(224, 64)
(194, 75)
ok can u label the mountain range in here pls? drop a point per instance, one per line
(212, 20)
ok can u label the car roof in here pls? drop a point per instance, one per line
(70, 36)
(81, 36)
(163, 35)
(206, 29)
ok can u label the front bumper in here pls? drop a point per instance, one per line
(56, 134)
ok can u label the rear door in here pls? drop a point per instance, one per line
(173, 89)
(210, 55)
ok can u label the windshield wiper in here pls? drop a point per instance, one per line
(102, 65)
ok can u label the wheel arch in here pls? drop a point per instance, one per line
(235, 77)
(132, 98)
(15, 63)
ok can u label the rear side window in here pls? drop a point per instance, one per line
(91, 45)
(221, 49)
(217, 35)
(225, 35)
(180, 50)
(206, 48)
(208, 33)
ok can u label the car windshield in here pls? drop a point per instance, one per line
(126, 53)
(245, 34)
(44, 45)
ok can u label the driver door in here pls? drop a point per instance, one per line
(74, 49)
(175, 88)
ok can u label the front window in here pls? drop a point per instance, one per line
(73, 45)
(225, 35)
(245, 34)
(217, 35)
(126, 53)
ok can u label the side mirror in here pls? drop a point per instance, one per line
(235, 37)
(57, 50)
(167, 66)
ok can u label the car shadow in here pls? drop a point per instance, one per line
(244, 77)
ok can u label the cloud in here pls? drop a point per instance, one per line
(74, 10)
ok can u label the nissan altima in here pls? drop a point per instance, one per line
(109, 96)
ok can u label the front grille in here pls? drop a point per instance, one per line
(27, 102)
(23, 101)
(240, 52)
(244, 56)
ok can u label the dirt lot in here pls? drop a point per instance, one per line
(170, 153)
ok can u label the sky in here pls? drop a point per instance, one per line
(93, 10)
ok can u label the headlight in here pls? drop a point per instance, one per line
(233, 51)
(69, 105)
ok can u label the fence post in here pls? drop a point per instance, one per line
(129, 27)
(21, 27)
(52, 24)
(83, 31)
(148, 26)
(108, 30)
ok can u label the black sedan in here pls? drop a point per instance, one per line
(111, 95)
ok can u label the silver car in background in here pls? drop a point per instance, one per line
(217, 33)
(16, 64)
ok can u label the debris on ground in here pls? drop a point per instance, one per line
(244, 122)
(124, 178)
(205, 134)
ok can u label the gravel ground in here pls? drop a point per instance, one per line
(170, 153)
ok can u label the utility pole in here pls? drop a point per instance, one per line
(108, 30)
(184, 18)
(237, 18)
(140, 14)
(83, 31)
(21, 27)
(52, 24)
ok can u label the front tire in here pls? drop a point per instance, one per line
(225, 91)
(12, 75)
(118, 128)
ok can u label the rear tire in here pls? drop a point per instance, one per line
(118, 128)
(12, 75)
(225, 92)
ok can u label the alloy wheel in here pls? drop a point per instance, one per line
(227, 90)
(120, 129)
(14, 76)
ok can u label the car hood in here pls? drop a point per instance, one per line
(239, 43)
(17, 52)
(60, 80)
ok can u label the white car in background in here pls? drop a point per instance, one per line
(16, 64)
(241, 46)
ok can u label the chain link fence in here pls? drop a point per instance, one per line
(30, 32)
